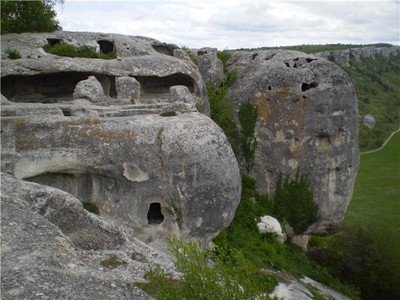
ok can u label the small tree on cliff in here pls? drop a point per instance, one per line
(294, 203)
(28, 16)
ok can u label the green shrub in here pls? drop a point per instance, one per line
(209, 275)
(221, 111)
(294, 203)
(189, 53)
(91, 207)
(65, 49)
(248, 119)
(14, 54)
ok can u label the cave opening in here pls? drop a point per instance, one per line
(106, 46)
(51, 87)
(155, 85)
(154, 215)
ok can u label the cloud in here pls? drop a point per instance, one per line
(238, 24)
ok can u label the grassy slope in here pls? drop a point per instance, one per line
(376, 197)
(377, 83)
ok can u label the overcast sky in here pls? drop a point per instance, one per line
(232, 24)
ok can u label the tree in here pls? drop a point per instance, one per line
(294, 203)
(29, 16)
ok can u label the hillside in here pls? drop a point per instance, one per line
(375, 201)
(378, 89)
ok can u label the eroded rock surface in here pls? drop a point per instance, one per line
(125, 134)
(54, 249)
(307, 121)
(46, 78)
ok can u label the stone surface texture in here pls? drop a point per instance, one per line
(307, 121)
(210, 66)
(158, 164)
(46, 78)
(54, 249)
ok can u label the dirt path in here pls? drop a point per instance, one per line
(384, 144)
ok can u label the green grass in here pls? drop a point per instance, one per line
(376, 197)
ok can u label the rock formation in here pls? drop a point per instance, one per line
(343, 57)
(124, 134)
(307, 121)
(209, 65)
(52, 248)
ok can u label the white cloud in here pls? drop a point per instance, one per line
(236, 24)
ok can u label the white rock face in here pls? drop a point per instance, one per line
(269, 224)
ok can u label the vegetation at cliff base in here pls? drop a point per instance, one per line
(366, 253)
(209, 274)
(28, 16)
(294, 203)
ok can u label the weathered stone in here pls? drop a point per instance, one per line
(180, 93)
(46, 78)
(46, 235)
(269, 224)
(128, 88)
(369, 121)
(210, 66)
(180, 169)
(5, 101)
(307, 121)
(181, 54)
(89, 89)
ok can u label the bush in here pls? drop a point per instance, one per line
(248, 118)
(91, 207)
(65, 49)
(366, 259)
(209, 275)
(294, 203)
(14, 54)
(221, 111)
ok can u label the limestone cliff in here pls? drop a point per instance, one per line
(307, 122)
(124, 134)
(343, 57)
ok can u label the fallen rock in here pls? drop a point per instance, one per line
(307, 121)
(89, 89)
(269, 224)
(369, 121)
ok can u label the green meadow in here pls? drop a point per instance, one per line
(376, 197)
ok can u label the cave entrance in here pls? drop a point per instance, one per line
(106, 46)
(154, 215)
